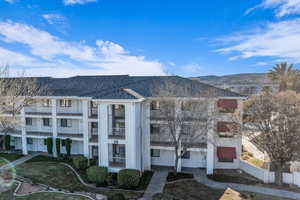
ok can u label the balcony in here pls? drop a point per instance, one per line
(93, 139)
(38, 110)
(39, 133)
(70, 135)
(117, 133)
(69, 114)
(118, 162)
(93, 113)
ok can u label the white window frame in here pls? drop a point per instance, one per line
(46, 102)
(154, 105)
(69, 123)
(65, 103)
(155, 155)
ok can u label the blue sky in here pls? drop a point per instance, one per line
(141, 37)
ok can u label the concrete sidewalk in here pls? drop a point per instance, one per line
(19, 161)
(156, 184)
(201, 177)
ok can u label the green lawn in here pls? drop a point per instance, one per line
(50, 173)
(56, 175)
(192, 190)
(10, 156)
(38, 196)
(52, 196)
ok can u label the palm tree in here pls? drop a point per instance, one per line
(284, 74)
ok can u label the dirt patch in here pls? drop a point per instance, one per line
(27, 188)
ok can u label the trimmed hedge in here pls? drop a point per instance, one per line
(129, 178)
(57, 142)
(96, 174)
(49, 145)
(7, 142)
(80, 162)
(68, 143)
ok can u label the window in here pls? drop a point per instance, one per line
(63, 143)
(154, 105)
(227, 105)
(186, 155)
(155, 152)
(29, 141)
(226, 154)
(45, 142)
(28, 121)
(119, 107)
(93, 105)
(65, 103)
(46, 122)
(94, 124)
(46, 103)
(65, 123)
(154, 129)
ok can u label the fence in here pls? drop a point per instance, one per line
(269, 177)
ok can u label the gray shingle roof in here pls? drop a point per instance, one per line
(112, 87)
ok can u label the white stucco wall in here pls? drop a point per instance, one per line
(167, 158)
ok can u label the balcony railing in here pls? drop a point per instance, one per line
(117, 162)
(93, 112)
(117, 133)
(93, 138)
(70, 135)
(38, 133)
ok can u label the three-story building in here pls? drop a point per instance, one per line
(116, 119)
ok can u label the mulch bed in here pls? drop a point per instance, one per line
(173, 176)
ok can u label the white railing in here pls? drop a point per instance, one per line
(117, 161)
(117, 132)
(267, 176)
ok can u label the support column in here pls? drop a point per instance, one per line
(133, 151)
(178, 112)
(85, 126)
(146, 155)
(210, 157)
(54, 125)
(23, 129)
(103, 134)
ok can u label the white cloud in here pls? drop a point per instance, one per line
(10, 1)
(50, 52)
(282, 7)
(52, 18)
(73, 2)
(276, 40)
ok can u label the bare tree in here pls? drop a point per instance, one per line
(15, 94)
(273, 124)
(187, 114)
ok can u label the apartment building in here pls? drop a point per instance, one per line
(116, 119)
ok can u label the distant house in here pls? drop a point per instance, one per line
(116, 120)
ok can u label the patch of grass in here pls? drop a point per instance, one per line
(52, 196)
(50, 173)
(192, 190)
(172, 176)
(10, 156)
(42, 158)
(8, 194)
(232, 178)
(56, 175)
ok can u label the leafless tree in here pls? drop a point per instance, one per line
(15, 94)
(187, 114)
(273, 124)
